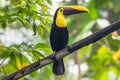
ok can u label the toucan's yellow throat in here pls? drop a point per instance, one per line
(59, 18)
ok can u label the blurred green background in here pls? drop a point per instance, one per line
(24, 38)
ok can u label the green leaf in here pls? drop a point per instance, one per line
(93, 10)
(86, 50)
(47, 50)
(23, 45)
(103, 51)
(18, 62)
(48, 15)
(22, 22)
(42, 45)
(34, 8)
(3, 25)
(11, 20)
(21, 60)
(45, 25)
(34, 28)
(104, 55)
(116, 7)
(37, 54)
(40, 30)
(44, 7)
(22, 3)
(49, 1)
(13, 60)
(104, 76)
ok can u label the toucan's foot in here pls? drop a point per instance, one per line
(53, 56)
(54, 52)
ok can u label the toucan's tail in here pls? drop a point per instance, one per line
(58, 67)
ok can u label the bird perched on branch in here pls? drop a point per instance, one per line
(59, 33)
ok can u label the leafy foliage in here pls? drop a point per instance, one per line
(30, 20)
(30, 15)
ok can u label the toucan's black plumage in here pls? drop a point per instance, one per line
(59, 39)
(59, 33)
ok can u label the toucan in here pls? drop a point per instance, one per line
(59, 33)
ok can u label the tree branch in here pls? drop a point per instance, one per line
(64, 52)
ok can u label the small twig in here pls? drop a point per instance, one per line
(64, 52)
(6, 58)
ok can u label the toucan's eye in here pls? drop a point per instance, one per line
(61, 10)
